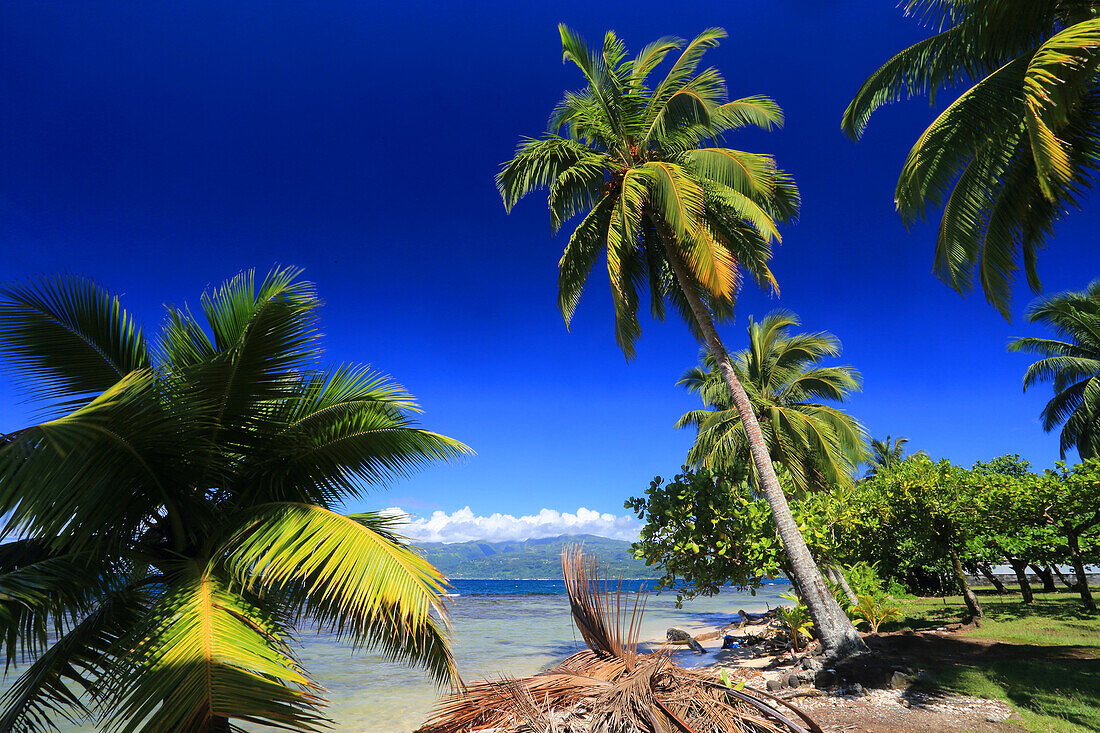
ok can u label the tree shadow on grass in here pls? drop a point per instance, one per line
(1057, 681)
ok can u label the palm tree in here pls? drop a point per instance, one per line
(887, 454)
(819, 445)
(176, 518)
(673, 212)
(1018, 148)
(1072, 365)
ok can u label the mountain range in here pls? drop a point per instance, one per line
(538, 558)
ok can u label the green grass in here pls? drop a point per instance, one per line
(1052, 679)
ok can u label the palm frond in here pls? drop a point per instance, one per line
(65, 677)
(67, 338)
(348, 574)
(206, 653)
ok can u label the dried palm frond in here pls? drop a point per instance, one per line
(600, 610)
(610, 687)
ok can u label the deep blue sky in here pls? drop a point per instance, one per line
(162, 147)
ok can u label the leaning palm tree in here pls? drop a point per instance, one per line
(673, 211)
(1018, 148)
(887, 454)
(1072, 366)
(818, 444)
(176, 518)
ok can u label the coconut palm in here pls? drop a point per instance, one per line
(177, 517)
(819, 445)
(1072, 366)
(1018, 148)
(673, 211)
(887, 454)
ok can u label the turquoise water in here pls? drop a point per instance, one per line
(511, 628)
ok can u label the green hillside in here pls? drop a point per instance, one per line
(539, 558)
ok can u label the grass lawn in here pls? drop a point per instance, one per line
(1043, 659)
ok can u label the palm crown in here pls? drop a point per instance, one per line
(819, 445)
(1016, 150)
(643, 169)
(1072, 366)
(886, 454)
(177, 520)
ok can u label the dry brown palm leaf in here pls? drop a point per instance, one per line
(610, 687)
(599, 610)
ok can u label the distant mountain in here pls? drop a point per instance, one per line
(530, 558)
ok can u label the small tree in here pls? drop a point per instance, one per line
(1014, 528)
(708, 528)
(932, 505)
(1070, 497)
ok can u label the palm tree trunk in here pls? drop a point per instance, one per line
(984, 569)
(834, 628)
(1020, 568)
(836, 574)
(1079, 568)
(972, 604)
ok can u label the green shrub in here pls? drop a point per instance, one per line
(864, 578)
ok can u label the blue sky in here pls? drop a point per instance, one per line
(161, 148)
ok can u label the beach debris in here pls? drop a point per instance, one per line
(752, 619)
(730, 642)
(679, 635)
(611, 686)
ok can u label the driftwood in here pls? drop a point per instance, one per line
(611, 686)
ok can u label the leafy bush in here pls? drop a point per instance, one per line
(864, 578)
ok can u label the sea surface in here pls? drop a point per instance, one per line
(501, 628)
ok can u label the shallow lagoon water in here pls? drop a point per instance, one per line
(513, 628)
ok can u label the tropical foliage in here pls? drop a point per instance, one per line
(644, 170)
(1018, 148)
(920, 519)
(796, 621)
(707, 529)
(672, 210)
(887, 454)
(818, 444)
(1071, 365)
(177, 516)
(875, 610)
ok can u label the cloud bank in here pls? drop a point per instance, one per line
(463, 525)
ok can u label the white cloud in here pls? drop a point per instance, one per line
(463, 525)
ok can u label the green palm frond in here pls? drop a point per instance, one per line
(353, 428)
(65, 678)
(1071, 365)
(349, 574)
(118, 595)
(585, 245)
(644, 170)
(44, 594)
(819, 445)
(1015, 151)
(86, 477)
(68, 338)
(206, 653)
(1057, 75)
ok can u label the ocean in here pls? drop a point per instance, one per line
(501, 627)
